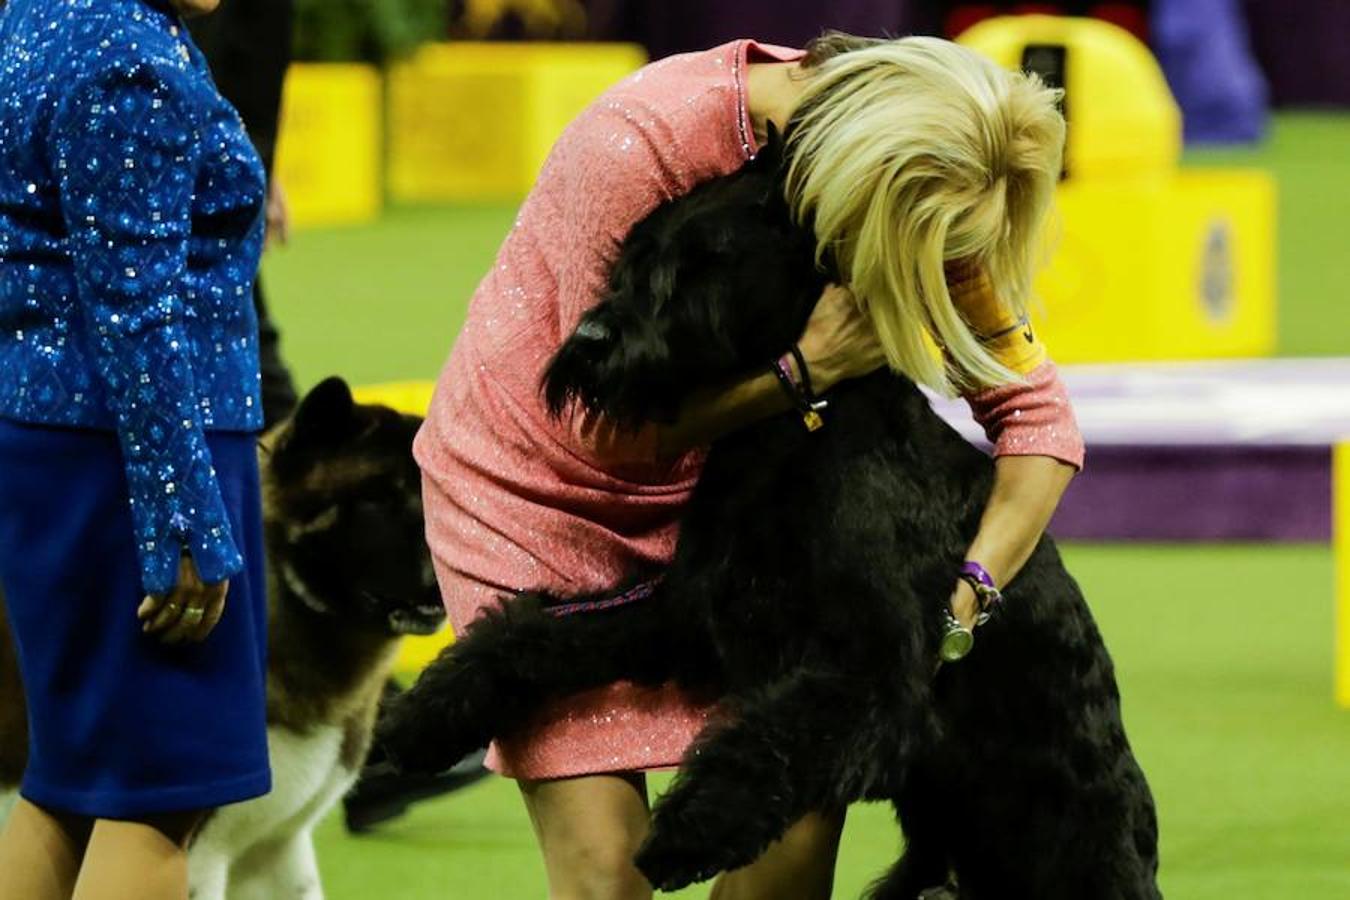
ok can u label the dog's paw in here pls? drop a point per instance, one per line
(946, 892)
(415, 746)
(695, 835)
(672, 861)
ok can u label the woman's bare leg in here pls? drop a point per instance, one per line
(588, 829)
(144, 860)
(40, 853)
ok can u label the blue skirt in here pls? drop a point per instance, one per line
(121, 725)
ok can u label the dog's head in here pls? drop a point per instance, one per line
(709, 287)
(344, 514)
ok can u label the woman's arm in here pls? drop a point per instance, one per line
(126, 151)
(1027, 490)
(1038, 449)
(838, 343)
(1037, 445)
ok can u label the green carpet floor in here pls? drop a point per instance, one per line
(1224, 654)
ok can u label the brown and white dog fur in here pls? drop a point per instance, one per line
(348, 574)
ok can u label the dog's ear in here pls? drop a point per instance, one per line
(326, 417)
(616, 362)
(327, 411)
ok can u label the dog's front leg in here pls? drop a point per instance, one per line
(514, 659)
(809, 741)
(285, 868)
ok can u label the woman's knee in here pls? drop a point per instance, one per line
(799, 866)
(601, 870)
(814, 836)
(589, 830)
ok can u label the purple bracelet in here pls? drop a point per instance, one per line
(982, 583)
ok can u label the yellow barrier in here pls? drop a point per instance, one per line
(1149, 261)
(1179, 267)
(1341, 527)
(471, 121)
(328, 151)
(413, 398)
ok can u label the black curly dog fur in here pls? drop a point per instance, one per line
(807, 591)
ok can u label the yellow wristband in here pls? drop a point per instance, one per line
(1007, 336)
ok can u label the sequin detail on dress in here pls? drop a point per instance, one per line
(130, 231)
(1031, 418)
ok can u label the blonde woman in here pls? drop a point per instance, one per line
(927, 172)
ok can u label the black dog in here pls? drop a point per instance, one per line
(808, 590)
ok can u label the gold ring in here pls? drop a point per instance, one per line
(193, 616)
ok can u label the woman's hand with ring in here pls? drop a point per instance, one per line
(187, 613)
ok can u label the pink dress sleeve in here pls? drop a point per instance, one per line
(1032, 418)
(616, 164)
(1029, 418)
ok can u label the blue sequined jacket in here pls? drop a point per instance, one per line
(130, 229)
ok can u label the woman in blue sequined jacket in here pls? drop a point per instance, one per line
(130, 230)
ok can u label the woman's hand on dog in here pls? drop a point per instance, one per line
(965, 605)
(839, 342)
(188, 612)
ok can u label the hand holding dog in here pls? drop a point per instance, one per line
(839, 342)
(188, 612)
(965, 605)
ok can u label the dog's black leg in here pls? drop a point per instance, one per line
(925, 869)
(515, 658)
(895, 885)
(809, 741)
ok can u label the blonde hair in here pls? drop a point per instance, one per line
(909, 154)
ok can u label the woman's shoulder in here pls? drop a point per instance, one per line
(103, 42)
(674, 84)
(680, 117)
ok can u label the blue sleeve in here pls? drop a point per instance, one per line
(127, 154)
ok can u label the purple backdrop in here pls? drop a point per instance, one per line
(1301, 45)
(667, 28)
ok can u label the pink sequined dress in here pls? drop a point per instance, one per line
(515, 500)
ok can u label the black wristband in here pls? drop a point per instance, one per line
(803, 371)
(800, 395)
